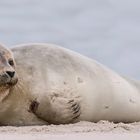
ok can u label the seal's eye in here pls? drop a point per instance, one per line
(11, 62)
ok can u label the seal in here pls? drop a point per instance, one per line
(58, 86)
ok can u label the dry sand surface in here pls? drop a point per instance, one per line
(82, 130)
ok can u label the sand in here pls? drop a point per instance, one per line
(81, 130)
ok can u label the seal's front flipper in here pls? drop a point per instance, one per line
(58, 110)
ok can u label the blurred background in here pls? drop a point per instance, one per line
(106, 30)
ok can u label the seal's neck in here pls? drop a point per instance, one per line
(4, 94)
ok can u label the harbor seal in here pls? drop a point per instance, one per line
(59, 86)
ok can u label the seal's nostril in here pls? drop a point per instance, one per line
(10, 73)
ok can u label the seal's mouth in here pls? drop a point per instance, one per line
(12, 82)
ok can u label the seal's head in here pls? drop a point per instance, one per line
(8, 76)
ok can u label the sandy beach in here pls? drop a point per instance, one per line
(81, 130)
